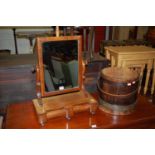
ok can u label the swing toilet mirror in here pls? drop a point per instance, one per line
(59, 66)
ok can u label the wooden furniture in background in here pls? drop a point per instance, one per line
(5, 52)
(133, 56)
(15, 40)
(153, 78)
(31, 35)
(1, 121)
(92, 73)
(105, 43)
(88, 42)
(17, 80)
(150, 36)
(23, 116)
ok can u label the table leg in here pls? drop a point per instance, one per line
(149, 66)
(123, 64)
(31, 44)
(120, 63)
(153, 79)
(107, 54)
(141, 77)
(90, 42)
(140, 73)
(15, 40)
(112, 61)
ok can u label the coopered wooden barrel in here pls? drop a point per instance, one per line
(118, 90)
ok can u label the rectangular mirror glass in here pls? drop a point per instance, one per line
(60, 64)
(60, 61)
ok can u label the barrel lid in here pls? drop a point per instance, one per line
(119, 74)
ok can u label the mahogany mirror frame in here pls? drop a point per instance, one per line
(40, 70)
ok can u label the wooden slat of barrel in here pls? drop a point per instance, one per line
(114, 99)
(118, 87)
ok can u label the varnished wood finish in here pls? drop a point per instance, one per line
(39, 42)
(64, 105)
(23, 116)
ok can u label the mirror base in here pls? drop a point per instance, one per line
(66, 105)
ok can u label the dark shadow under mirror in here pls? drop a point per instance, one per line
(60, 61)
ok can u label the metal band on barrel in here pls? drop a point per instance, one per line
(116, 109)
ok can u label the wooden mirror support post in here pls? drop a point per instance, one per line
(65, 102)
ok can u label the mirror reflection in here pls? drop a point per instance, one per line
(60, 61)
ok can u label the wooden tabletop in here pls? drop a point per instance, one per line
(23, 116)
(132, 49)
